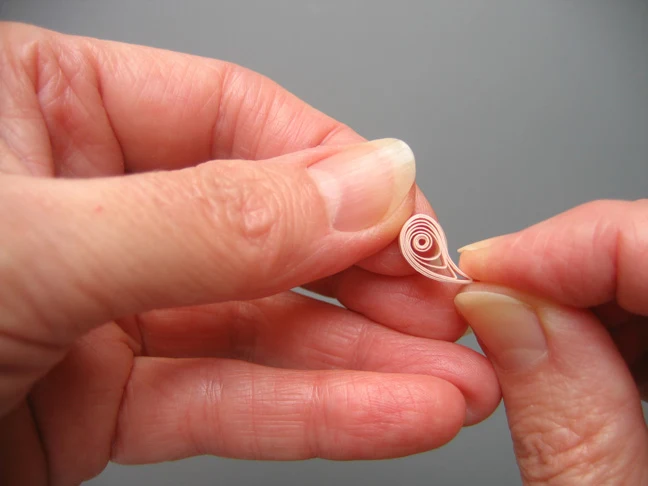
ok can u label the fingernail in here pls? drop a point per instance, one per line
(366, 183)
(509, 328)
(478, 245)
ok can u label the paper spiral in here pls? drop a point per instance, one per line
(423, 244)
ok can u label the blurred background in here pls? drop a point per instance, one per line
(516, 110)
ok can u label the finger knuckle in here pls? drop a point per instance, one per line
(542, 454)
(568, 450)
(247, 204)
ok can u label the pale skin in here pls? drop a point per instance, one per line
(156, 209)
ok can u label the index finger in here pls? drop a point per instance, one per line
(166, 110)
(585, 257)
(169, 110)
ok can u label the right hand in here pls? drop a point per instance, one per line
(562, 313)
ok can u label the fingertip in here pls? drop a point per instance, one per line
(399, 415)
(481, 260)
(451, 412)
(412, 305)
(389, 261)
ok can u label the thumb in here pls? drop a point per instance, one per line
(572, 405)
(87, 251)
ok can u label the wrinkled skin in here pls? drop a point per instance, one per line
(575, 414)
(148, 317)
(93, 368)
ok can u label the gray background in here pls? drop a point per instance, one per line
(515, 109)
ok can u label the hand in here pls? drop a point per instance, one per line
(570, 343)
(148, 317)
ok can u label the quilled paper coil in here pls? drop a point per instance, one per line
(424, 245)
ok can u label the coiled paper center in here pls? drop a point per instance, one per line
(423, 244)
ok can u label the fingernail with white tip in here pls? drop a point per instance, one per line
(366, 183)
(509, 328)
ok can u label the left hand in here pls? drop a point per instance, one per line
(107, 280)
